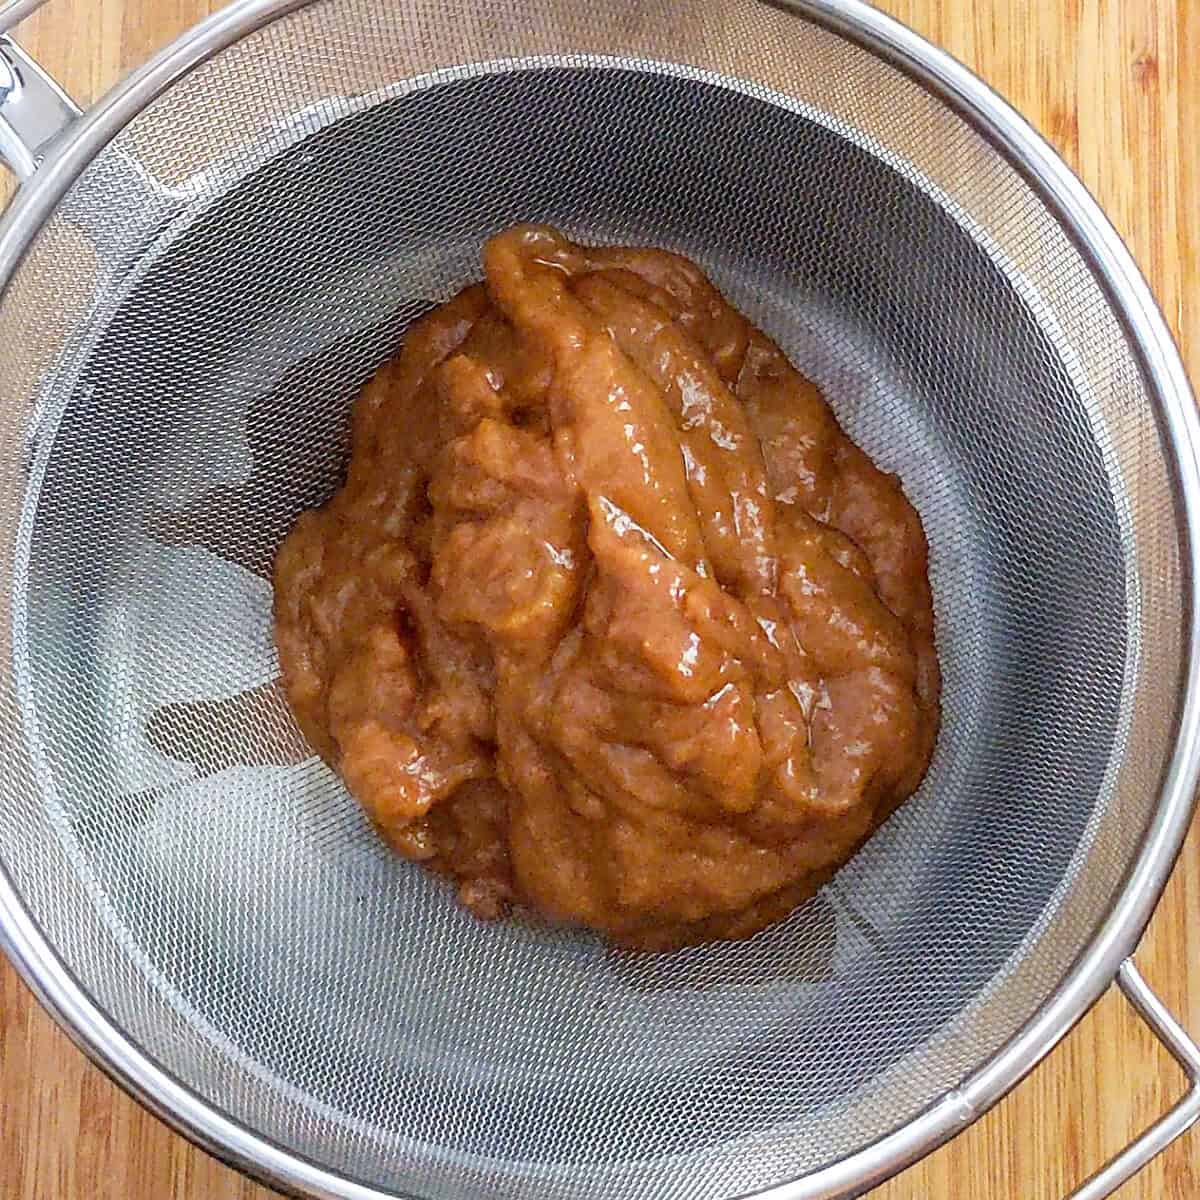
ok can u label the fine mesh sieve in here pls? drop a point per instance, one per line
(202, 276)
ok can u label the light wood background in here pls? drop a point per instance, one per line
(1115, 84)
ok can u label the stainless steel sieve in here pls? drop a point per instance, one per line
(195, 278)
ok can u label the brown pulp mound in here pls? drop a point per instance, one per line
(610, 618)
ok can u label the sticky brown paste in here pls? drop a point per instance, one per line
(610, 618)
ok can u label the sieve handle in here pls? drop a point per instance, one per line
(1175, 1123)
(13, 12)
(34, 110)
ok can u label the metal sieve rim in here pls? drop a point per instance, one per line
(1100, 246)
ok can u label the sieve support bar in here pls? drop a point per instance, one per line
(1179, 1119)
(34, 110)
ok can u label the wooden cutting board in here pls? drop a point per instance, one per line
(1115, 84)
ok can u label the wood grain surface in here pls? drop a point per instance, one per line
(1115, 85)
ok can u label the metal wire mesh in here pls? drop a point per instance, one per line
(188, 332)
